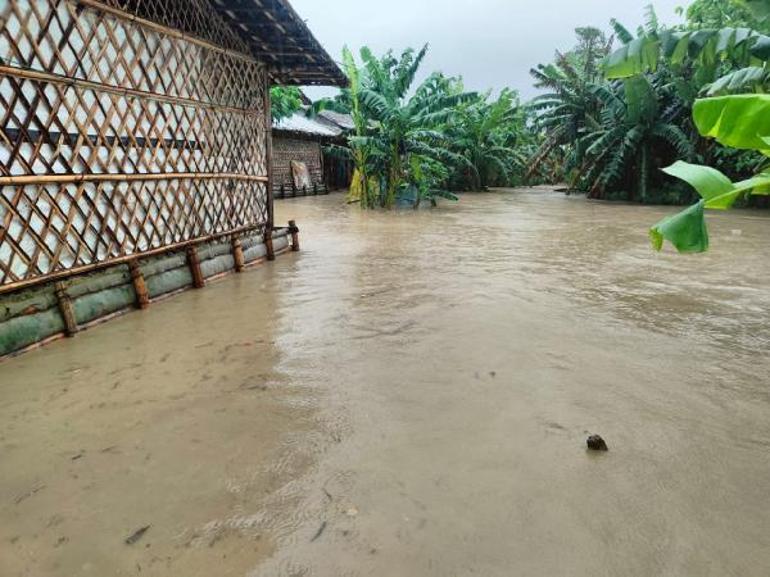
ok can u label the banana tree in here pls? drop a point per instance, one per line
(703, 61)
(638, 120)
(404, 124)
(569, 108)
(487, 133)
(738, 121)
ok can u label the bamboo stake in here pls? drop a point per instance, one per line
(128, 177)
(195, 267)
(238, 257)
(269, 245)
(14, 286)
(140, 287)
(294, 236)
(66, 309)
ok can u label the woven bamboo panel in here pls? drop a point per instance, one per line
(195, 17)
(118, 138)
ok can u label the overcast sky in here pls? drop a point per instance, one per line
(490, 43)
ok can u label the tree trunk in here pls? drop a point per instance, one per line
(644, 173)
(394, 178)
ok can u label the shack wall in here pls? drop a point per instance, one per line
(121, 137)
(287, 148)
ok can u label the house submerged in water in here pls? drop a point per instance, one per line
(135, 150)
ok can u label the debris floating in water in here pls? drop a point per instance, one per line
(320, 531)
(136, 535)
(596, 443)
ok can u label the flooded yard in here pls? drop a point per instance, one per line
(410, 395)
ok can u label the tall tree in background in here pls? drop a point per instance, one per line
(702, 14)
(570, 107)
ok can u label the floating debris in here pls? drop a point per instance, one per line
(320, 531)
(136, 535)
(27, 494)
(596, 443)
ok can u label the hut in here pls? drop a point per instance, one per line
(298, 158)
(135, 150)
(338, 169)
(302, 163)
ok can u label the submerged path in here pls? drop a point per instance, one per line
(410, 395)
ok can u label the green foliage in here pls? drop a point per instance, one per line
(738, 121)
(284, 101)
(410, 142)
(741, 121)
(734, 121)
(686, 231)
(488, 134)
(615, 133)
(704, 14)
(572, 103)
(717, 60)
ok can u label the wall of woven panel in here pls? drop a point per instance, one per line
(120, 136)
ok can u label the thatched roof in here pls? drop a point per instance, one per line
(277, 35)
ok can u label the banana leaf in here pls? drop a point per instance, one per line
(686, 230)
(740, 121)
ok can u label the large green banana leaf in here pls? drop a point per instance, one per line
(644, 53)
(740, 121)
(687, 230)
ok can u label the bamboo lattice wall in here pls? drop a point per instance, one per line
(127, 128)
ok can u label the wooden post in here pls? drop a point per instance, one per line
(66, 309)
(269, 154)
(195, 267)
(240, 262)
(294, 236)
(140, 287)
(269, 244)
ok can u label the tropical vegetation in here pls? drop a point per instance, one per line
(416, 142)
(731, 109)
(661, 114)
(285, 101)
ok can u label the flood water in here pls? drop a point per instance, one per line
(410, 396)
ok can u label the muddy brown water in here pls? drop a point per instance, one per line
(410, 396)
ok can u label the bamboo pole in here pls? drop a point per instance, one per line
(294, 236)
(172, 32)
(195, 267)
(140, 287)
(269, 156)
(66, 309)
(238, 257)
(40, 76)
(124, 177)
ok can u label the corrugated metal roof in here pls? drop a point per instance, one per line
(344, 121)
(298, 122)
